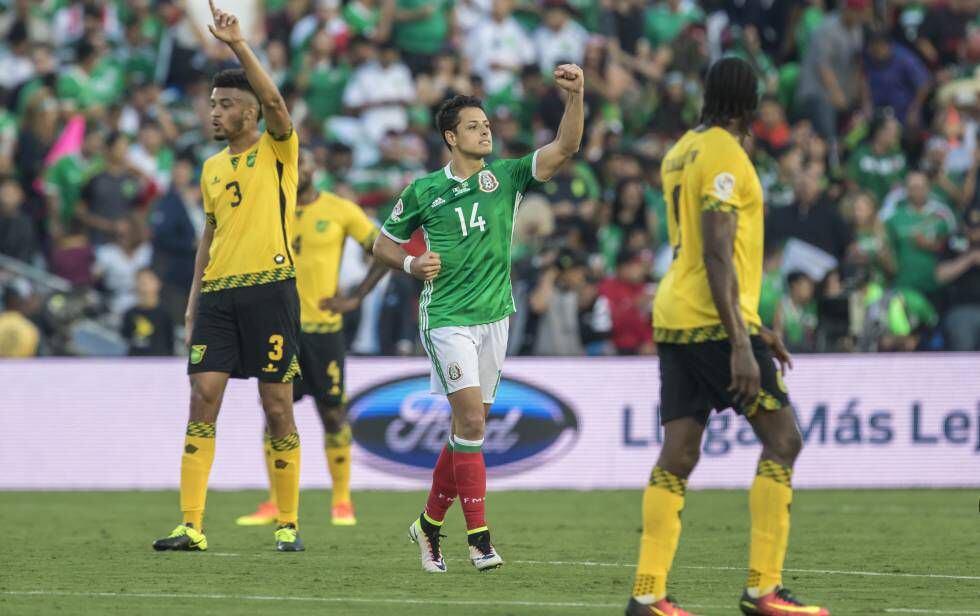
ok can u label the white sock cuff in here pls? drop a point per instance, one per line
(466, 443)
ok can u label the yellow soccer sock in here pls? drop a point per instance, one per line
(285, 453)
(769, 503)
(195, 466)
(663, 501)
(338, 462)
(270, 469)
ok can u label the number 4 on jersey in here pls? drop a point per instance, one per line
(475, 220)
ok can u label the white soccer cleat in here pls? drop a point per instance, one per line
(431, 554)
(483, 555)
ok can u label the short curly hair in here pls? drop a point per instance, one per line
(235, 78)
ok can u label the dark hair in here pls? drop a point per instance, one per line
(115, 136)
(447, 118)
(731, 93)
(234, 78)
(84, 50)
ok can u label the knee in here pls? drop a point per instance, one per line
(333, 418)
(471, 424)
(276, 405)
(680, 460)
(786, 447)
(203, 396)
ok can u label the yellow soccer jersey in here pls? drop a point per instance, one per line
(320, 231)
(250, 198)
(707, 170)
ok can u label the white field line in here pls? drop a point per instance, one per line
(587, 563)
(366, 600)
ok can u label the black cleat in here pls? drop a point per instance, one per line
(287, 539)
(184, 538)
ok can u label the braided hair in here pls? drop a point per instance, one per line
(731, 94)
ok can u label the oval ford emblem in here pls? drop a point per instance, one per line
(402, 427)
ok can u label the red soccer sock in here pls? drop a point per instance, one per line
(443, 491)
(471, 482)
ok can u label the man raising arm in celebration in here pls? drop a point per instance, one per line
(243, 311)
(467, 212)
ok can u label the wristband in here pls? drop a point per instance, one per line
(407, 264)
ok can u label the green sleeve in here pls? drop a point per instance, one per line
(521, 171)
(405, 217)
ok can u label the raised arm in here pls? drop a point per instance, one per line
(718, 239)
(225, 29)
(568, 140)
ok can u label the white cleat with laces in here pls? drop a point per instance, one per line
(431, 554)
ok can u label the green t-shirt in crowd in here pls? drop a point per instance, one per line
(427, 35)
(663, 25)
(103, 86)
(773, 287)
(325, 92)
(799, 324)
(66, 178)
(876, 174)
(361, 19)
(917, 265)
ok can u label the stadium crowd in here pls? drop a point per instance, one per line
(865, 143)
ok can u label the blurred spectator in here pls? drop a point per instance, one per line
(773, 283)
(943, 31)
(918, 228)
(116, 264)
(498, 49)
(17, 66)
(796, 314)
(17, 236)
(72, 256)
(322, 75)
(871, 247)
(112, 194)
(891, 320)
(19, 336)
(779, 189)
(771, 130)
(896, 79)
(878, 165)
(559, 38)
(177, 222)
(666, 19)
(379, 92)
(959, 273)
(830, 75)
(65, 178)
(151, 155)
(146, 327)
(811, 219)
(38, 131)
(421, 29)
(630, 299)
(558, 299)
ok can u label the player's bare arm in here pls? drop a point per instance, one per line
(718, 235)
(568, 140)
(341, 304)
(226, 29)
(424, 267)
(201, 260)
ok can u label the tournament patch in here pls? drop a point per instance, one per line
(488, 181)
(724, 186)
(197, 353)
(398, 210)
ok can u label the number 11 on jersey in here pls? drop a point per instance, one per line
(475, 220)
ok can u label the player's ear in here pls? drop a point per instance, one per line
(450, 137)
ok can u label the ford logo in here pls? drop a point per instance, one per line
(402, 427)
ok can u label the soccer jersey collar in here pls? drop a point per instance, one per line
(452, 176)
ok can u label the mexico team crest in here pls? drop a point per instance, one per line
(455, 372)
(398, 210)
(488, 181)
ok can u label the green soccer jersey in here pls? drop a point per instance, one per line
(469, 224)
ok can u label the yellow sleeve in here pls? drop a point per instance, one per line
(359, 226)
(286, 150)
(722, 176)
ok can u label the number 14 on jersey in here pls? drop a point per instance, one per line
(476, 221)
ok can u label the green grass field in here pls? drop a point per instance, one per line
(870, 552)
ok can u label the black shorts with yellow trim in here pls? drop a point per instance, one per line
(248, 331)
(321, 358)
(694, 380)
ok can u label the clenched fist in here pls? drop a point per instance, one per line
(426, 266)
(569, 77)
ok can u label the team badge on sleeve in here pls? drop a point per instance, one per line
(488, 181)
(724, 186)
(398, 210)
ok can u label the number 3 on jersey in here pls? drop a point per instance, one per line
(475, 220)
